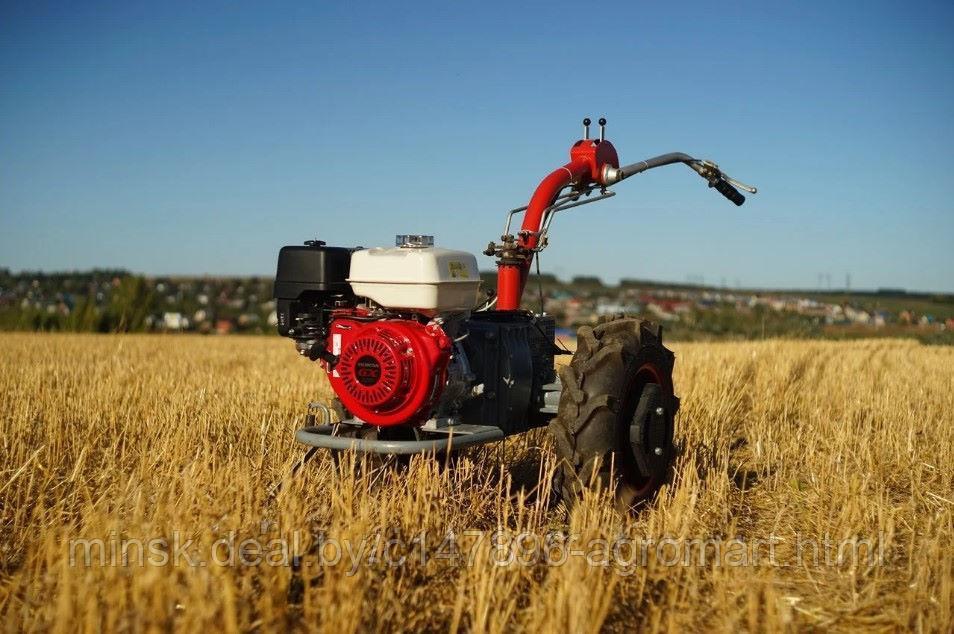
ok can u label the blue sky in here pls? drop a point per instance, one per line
(200, 137)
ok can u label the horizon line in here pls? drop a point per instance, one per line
(885, 290)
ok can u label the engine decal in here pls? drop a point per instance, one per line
(367, 370)
(458, 270)
(336, 348)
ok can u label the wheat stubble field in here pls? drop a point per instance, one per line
(172, 444)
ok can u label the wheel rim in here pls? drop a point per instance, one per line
(633, 485)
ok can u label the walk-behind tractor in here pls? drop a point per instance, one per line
(421, 361)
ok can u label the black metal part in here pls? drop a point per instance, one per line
(312, 268)
(310, 281)
(511, 355)
(649, 436)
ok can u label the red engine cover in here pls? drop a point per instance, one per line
(389, 371)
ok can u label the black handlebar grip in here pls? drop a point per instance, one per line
(728, 191)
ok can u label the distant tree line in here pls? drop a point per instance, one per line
(117, 301)
(125, 309)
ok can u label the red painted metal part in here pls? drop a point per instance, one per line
(509, 285)
(658, 377)
(389, 371)
(587, 159)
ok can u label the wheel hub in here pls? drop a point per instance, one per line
(649, 435)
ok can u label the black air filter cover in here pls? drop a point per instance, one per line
(312, 267)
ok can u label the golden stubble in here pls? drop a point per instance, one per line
(153, 439)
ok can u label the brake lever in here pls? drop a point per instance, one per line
(740, 185)
(710, 171)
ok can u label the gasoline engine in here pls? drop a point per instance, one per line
(403, 340)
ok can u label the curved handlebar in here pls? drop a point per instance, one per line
(614, 175)
(706, 169)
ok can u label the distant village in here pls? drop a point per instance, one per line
(110, 301)
(673, 305)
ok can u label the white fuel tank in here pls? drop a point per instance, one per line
(416, 276)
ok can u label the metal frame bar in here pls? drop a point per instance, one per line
(553, 209)
(556, 203)
(321, 436)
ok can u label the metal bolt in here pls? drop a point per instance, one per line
(660, 411)
(658, 451)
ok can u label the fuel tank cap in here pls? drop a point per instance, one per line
(413, 241)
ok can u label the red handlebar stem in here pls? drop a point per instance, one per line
(588, 157)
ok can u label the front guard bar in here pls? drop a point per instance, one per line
(321, 436)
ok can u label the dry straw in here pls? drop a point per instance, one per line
(813, 489)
